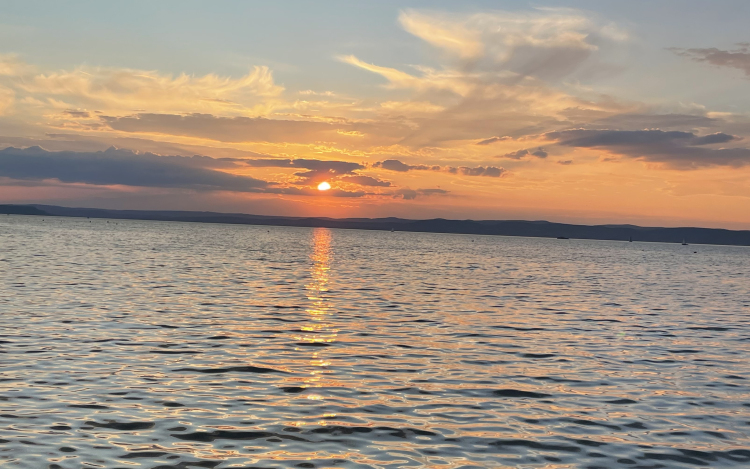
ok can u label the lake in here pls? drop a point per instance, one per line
(139, 344)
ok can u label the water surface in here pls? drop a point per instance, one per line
(133, 344)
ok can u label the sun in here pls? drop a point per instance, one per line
(324, 186)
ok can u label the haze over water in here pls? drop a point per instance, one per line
(174, 345)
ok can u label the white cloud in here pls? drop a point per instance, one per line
(429, 80)
(543, 42)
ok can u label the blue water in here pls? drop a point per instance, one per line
(133, 344)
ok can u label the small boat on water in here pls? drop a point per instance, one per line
(684, 243)
(630, 240)
(562, 237)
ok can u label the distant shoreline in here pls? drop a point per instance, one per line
(537, 229)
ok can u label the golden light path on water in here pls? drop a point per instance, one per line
(320, 331)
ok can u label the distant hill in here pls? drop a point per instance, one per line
(539, 229)
(21, 210)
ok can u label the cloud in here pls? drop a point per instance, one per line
(343, 193)
(199, 173)
(432, 191)
(738, 58)
(519, 154)
(320, 170)
(74, 113)
(599, 138)
(565, 162)
(677, 149)
(487, 171)
(240, 129)
(640, 121)
(711, 139)
(496, 72)
(121, 167)
(365, 181)
(314, 176)
(308, 191)
(396, 165)
(7, 98)
(411, 194)
(393, 165)
(477, 92)
(396, 77)
(121, 90)
(447, 35)
(411, 107)
(128, 89)
(406, 194)
(317, 93)
(545, 42)
(12, 65)
(317, 170)
(490, 140)
(225, 129)
(335, 167)
(429, 80)
(478, 103)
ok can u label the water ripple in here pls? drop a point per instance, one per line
(177, 346)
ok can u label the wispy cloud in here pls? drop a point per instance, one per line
(12, 66)
(429, 79)
(122, 90)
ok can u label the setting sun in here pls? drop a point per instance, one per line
(324, 186)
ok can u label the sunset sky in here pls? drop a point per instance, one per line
(575, 111)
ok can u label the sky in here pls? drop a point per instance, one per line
(569, 111)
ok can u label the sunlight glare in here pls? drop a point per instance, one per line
(324, 186)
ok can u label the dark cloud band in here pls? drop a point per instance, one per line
(681, 150)
(121, 167)
(126, 168)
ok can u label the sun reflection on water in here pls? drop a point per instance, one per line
(319, 331)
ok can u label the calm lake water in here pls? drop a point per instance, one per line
(133, 344)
